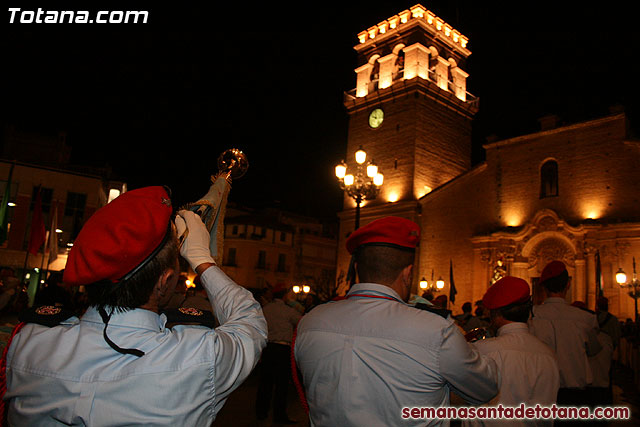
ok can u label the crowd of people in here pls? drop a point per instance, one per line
(142, 348)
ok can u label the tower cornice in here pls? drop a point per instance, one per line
(405, 20)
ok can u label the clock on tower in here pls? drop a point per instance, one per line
(376, 117)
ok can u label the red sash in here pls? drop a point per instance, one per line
(3, 373)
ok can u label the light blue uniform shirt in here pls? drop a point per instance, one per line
(68, 374)
(365, 358)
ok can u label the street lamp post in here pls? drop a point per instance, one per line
(362, 185)
(634, 292)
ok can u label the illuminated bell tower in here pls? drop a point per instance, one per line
(410, 111)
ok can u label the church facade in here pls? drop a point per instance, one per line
(566, 192)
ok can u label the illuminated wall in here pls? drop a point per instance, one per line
(496, 211)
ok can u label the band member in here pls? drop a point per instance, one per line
(369, 355)
(528, 368)
(569, 331)
(118, 364)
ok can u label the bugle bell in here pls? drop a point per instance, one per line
(232, 164)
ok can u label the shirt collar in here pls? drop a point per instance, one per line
(373, 289)
(137, 318)
(513, 328)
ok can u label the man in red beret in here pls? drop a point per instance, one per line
(528, 368)
(369, 355)
(118, 364)
(569, 331)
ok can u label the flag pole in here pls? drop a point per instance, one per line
(44, 250)
(24, 268)
(4, 209)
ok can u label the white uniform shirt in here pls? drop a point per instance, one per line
(528, 370)
(365, 358)
(68, 374)
(601, 362)
(572, 334)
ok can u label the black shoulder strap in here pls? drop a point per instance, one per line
(188, 315)
(45, 315)
(439, 311)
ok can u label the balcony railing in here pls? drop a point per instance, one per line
(350, 96)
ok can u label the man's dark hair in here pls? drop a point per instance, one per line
(381, 264)
(514, 312)
(466, 307)
(557, 284)
(136, 290)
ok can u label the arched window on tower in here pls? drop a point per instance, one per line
(398, 67)
(375, 77)
(549, 179)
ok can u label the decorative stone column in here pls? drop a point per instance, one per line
(387, 64)
(363, 79)
(416, 61)
(459, 78)
(442, 73)
(579, 286)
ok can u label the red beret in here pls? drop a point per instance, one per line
(119, 237)
(508, 290)
(553, 269)
(390, 230)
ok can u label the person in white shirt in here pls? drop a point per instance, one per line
(119, 364)
(528, 367)
(569, 331)
(366, 357)
(600, 391)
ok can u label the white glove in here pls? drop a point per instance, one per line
(195, 248)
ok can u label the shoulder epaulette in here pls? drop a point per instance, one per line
(45, 315)
(443, 312)
(188, 315)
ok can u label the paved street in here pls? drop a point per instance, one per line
(239, 411)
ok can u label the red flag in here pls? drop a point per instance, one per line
(38, 233)
(53, 235)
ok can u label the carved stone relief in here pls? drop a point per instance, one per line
(551, 249)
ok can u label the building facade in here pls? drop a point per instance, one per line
(567, 192)
(69, 196)
(274, 248)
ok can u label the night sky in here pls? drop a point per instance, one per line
(158, 102)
